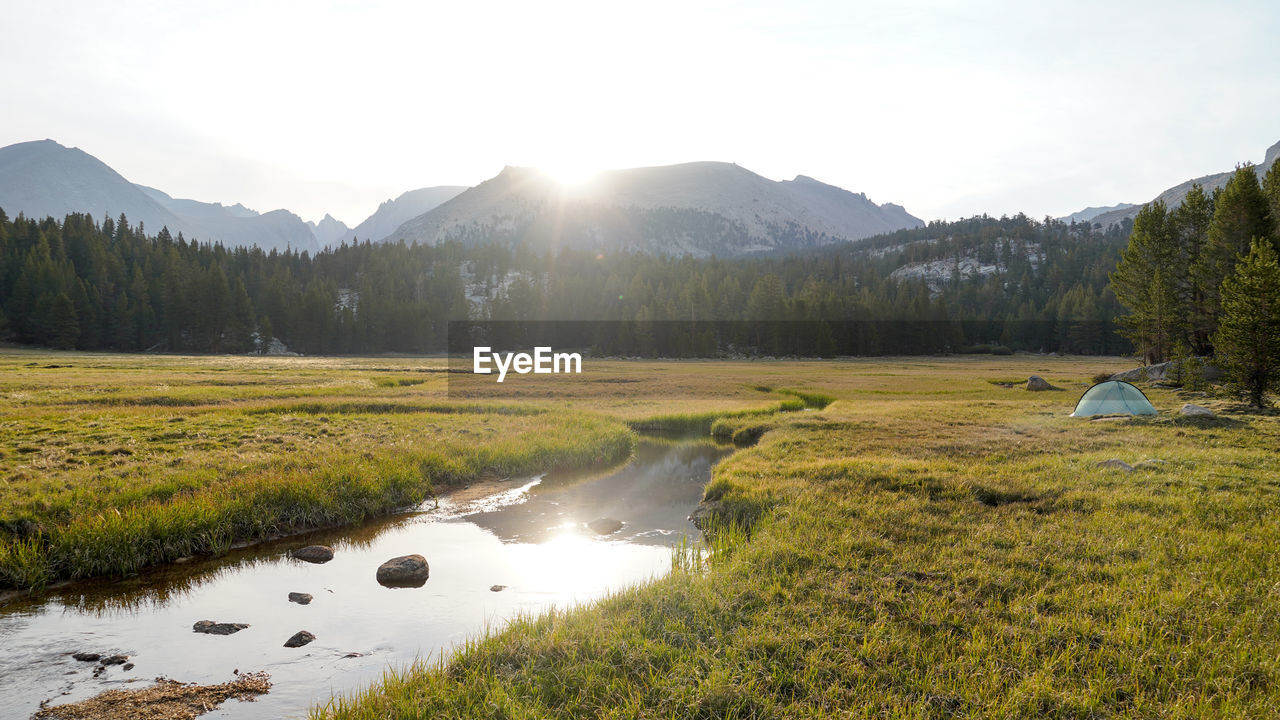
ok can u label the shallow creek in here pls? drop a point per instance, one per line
(529, 535)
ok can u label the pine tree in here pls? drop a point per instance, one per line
(1142, 283)
(1190, 227)
(1248, 338)
(1240, 214)
(1271, 189)
(56, 316)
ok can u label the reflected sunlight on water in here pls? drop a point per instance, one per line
(530, 535)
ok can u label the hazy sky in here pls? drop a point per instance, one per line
(950, 109)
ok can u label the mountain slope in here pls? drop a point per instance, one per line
(44, 179)
(329, 231)
(391, 214)
(699, 208)
(1090, 213)
(1173, 196)
(237, 225)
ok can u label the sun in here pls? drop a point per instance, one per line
(570, 174)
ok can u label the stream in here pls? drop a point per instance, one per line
(528, 534)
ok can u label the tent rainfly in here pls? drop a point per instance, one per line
(1113, 397)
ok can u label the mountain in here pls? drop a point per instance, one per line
(45, 179)
(237, 225)
(1173, 196)
(701, 208)
(1090, 213)
(391, 214)
(329, 231)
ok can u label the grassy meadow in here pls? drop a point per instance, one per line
(915, 537)
(932, 544)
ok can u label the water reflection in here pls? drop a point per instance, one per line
(531, 537)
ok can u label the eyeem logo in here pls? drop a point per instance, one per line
(541, 362)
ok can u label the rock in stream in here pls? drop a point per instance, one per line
(314, 553)
(209, 627)
(404, 571)
(300, 638)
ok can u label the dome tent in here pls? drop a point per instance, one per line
(1113, 397)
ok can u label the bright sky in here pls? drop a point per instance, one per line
(951, 109)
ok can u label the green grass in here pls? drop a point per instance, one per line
(92, 486)
(942, 548)
(925, 543)
(111, 463)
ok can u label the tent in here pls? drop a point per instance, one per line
(1113, 397)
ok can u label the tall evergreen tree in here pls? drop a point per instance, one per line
(1248, 339)
(1240, 214)
(1142, 283)
(1190, 228)
(1271, 189)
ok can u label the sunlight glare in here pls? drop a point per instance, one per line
(570, 174)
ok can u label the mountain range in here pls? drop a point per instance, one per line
(45, 179)
(1174, 196)
(1090, 213)
(701, 208)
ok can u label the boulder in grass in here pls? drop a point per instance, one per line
(314, 553)
(300, 638)
(1193, 410)
(404, 571)
(1036, 383)
(605, 526)
(1115, 464)
(209, 627)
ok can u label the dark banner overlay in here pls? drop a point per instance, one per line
(506, 358)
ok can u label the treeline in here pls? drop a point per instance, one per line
(1039, 286)
(1199, 280)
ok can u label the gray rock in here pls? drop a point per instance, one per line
(1134, 375)
(209, 627)
(127, 667)
(497, 588)
(115, 660)
(404, 571)
(87, 656)
(1196, 411)
(1037, 383)
(314, 553)
(300, 598)
(1163, 371)
(605, 526)
(300, 638)
(1115, 464)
